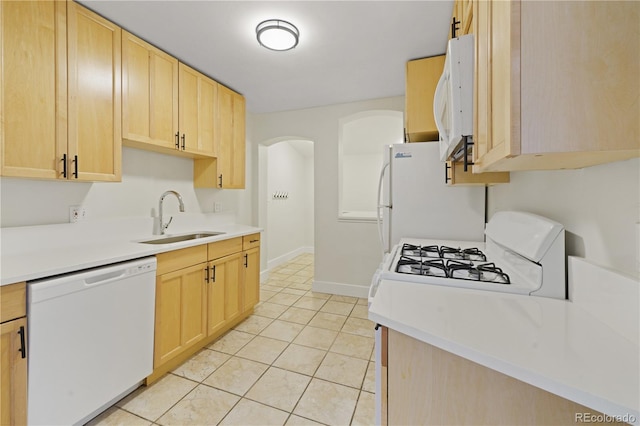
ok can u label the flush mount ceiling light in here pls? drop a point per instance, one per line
(276, 34)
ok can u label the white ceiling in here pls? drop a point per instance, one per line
(348, 50)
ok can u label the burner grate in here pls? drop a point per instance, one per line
(465, 254)
(420, 251)
(428, 267)
(486, 272)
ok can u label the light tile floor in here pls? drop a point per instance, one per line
(302, 358)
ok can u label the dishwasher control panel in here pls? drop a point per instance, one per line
(147, 267)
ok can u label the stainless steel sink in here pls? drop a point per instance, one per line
(178, 238)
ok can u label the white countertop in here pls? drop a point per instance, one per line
(34, 252)
(557, 345)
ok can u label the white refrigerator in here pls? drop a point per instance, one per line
(415, 202)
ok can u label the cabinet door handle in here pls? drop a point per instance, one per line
(220, 179)
(75, 166)
(253, 241)
(64, 166)
(23, 347)
(206, 275)
(446, 173)
(183, 139)
(177, 140)
(246, 260)
(213, 273)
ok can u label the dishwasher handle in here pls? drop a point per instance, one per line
(100, 279)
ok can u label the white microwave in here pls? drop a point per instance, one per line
(453, 99)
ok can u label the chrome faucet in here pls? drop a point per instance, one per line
(164, 226)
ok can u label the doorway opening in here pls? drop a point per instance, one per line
(286, 198)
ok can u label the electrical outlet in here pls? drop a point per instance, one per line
(217, 207)
(77, 214)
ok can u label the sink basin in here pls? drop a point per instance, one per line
(178, 238)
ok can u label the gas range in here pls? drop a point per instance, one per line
(448, 262)
(523, 254)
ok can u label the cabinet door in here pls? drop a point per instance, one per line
(33, 88)
(251, 282)
(188, 108)
(504, 84)
(224, 294)
(13, 377)
(496, 100)
(230, 138)
(149, 94)
(224, 135)
(482, 85)
(207, 90)
(239, 143)
(227, 170)
(94, 121)
(180, 312)
(422, 78)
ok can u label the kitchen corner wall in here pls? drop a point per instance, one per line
(599, 207)
(346, 254)
(145, 176)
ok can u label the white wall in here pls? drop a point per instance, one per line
(289, 229)
(599, 207)
(346, 254)
(360, 181)
(145, 176)
(361, 140)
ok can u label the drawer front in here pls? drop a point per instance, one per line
(13, 301)
(183, 258)
(225, 248)
(250, 241)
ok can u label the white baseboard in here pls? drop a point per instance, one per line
(288, 256)
(342, 289)
(264, 275)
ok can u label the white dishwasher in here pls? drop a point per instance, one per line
(90, 340)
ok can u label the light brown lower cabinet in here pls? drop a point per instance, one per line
(181, 305)
(429, 386)
(13, 355)
(251, 279)
(224, 295)
(202, 292)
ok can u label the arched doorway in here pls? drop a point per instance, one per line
(286, 198)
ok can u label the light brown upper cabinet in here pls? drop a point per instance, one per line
(34, 88)
(167, 106)
(228, 170)
(60, 83)
(196, 99)
(149, 95)
(95, 117)
(556, 84)
(422, 77)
